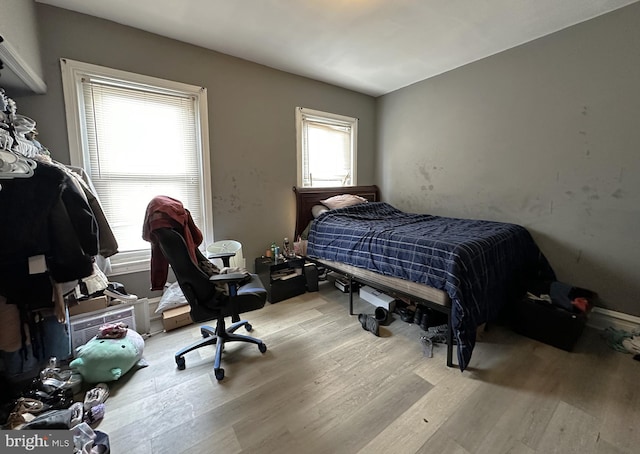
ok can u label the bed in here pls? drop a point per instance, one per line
(467, 269)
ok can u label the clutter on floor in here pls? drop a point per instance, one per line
(54, 401)
(431, 322)
(623, 341)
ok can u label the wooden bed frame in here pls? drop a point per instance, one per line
(431, 297)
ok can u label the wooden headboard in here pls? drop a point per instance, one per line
(306, 198)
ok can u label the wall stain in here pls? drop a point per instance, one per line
(579, 256)
(424, 173)
(551, 207)
(430, 187)
(423, 188)
(591, 192)
(621, 174)
(584, 133)
(557, 177)
(569, 193)
(587, 153)
(618, 194)
(584, 110)
(588, 211)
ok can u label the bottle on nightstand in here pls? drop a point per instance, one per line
(286, 248)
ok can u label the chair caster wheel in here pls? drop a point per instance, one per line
(248, 327)
(262, 347)
(219, 373)
(180, 363)
(204, 333)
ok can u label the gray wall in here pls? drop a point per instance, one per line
(251, 120)
(546, 135)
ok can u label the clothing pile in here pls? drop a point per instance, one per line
(623, 341)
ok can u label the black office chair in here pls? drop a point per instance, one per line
(207, 302)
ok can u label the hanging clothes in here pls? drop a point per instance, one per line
(46, 215)
(107, 241)
(48, 238)
(47, 233)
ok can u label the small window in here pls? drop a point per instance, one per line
(138, 137)
(327, 145)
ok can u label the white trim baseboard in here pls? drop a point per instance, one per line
(600, 318)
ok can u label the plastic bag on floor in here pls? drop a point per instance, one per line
(88, 441)
(172, 297)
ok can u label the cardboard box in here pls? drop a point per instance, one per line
(176, 317)
(377, 298)
(90, 305)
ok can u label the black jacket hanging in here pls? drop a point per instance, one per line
(46, 215)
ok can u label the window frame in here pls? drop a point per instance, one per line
(72, 73)
(330, 118)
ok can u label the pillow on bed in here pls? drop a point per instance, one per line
(317, 210)
(343, 200)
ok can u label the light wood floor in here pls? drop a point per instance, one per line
(327, 386)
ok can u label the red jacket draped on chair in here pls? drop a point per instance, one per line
(165, 212)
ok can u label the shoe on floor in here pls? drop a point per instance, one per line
(406, 314)
(77, 414)
(382, 315)
(96, 396)
(369, 323)
(116, 290)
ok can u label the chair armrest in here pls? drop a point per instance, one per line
(230, 277)
(220, 255)
(224, 256)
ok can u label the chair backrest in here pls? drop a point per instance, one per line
(201, 294)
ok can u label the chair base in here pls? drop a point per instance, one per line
(218, 336)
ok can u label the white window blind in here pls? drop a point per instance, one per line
(140, 141)
(327, 149)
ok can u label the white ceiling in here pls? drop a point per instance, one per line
(371, 46)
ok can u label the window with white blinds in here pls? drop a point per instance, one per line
(326, 148)
(138, 137)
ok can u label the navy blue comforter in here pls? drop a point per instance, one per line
(482, 265)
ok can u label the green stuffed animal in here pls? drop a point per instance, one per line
(107, 359)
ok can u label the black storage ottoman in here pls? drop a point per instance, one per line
(548, 323)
